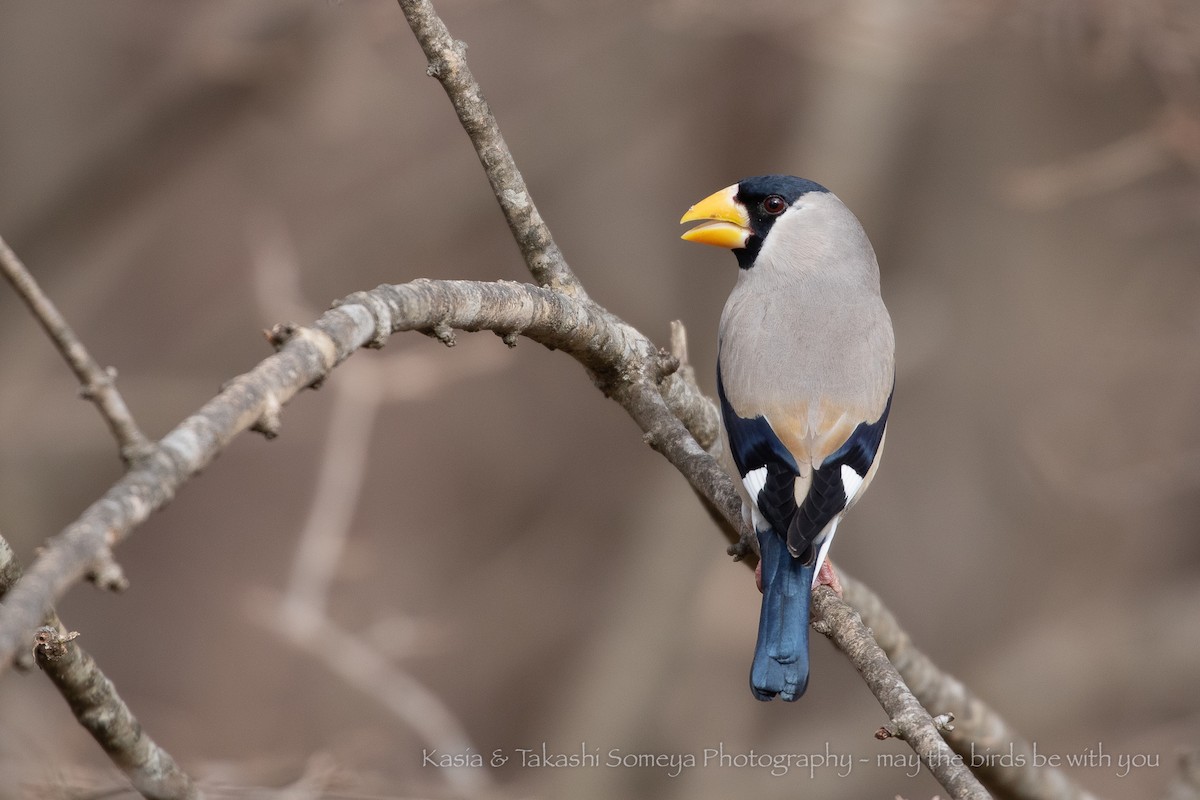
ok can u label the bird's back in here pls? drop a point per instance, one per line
(802, 333)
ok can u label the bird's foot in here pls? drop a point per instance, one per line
(747, 543)
(827, 577)
(758, 576)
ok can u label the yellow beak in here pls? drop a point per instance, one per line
(726, 222)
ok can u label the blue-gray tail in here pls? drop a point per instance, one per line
(781, 656)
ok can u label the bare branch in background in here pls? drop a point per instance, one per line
(363, 666)
(1109, 168)
(98, 382)
(1161, 37)
(1186, 785)
(1171, 138)
(97, 706)
(301, 614)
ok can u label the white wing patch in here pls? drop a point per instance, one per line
(825, 540)
(851, 483)
(754, 481)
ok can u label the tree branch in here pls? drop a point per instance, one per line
(98, 382)
(97, 707)
(95, 702)
(448, 64)
(622, 362)
(978, 728)
(912, 722)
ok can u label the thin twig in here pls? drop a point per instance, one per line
(448, 64)
(977, 727)
(343, 467)
(910, 721)
(362, 666)
(97, 706)
(98, 382)
(301, 615)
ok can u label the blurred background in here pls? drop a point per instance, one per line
(472, 548)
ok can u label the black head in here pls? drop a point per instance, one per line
(765, 198)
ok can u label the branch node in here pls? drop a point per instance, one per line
(136, 452)
(107, 574)
(944, 722)
(283, 333)
(381, 316)
(280, 334)
(51, 645)
(443, 63)
(510, 338)
(271, 421)
(102, 380)
(666, 364)
(443, 333)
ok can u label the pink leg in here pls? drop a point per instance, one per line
(827, 577)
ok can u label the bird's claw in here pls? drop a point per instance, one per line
(827, 577)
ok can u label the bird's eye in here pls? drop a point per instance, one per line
(774, 205)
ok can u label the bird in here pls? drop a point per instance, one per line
(805, 376)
